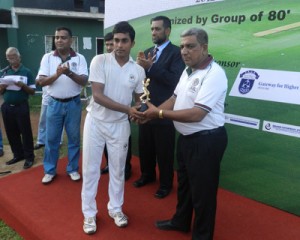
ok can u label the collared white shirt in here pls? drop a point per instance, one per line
(63, 87)
(205, 88)
(120, 82)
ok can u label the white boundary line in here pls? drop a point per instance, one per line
(276, 30)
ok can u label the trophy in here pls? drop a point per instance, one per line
(145, 97)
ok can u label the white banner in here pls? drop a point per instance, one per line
(269, 85)
(280, 128)
(118, 9)
(242, 121)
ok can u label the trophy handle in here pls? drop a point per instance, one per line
(143, 107)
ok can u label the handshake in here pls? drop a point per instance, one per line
(145, 111)
(152, 112)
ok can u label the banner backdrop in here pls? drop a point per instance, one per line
(257, 43)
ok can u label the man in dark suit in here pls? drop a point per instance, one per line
(163, 65)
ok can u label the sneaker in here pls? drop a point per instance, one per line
(89, 225)
(120, 218)
(47, 178)
(75, 176)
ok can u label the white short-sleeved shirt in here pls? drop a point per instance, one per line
(120, 83)
(204, 88)
(45, 94)
(63, 87)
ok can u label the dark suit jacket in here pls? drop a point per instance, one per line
(164, 75)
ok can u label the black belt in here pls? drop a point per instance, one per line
(65, 99)
(204, 132)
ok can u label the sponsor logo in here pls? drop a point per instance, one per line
(242, 121)
(247, 81)
(268, 126)
(281, 128)
(206, 1)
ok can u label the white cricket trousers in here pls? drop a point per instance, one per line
(96, 134)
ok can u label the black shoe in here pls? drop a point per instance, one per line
(28, 163)
(38, 146)
(1, 152)
(14, 160)
(104, 170)
(162, 192)
(169, 226)
(143, 181)
(127, 174)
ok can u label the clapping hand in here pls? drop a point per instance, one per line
(146, 63)
(63, 68)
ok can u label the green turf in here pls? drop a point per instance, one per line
(6, 233)
(259, 165)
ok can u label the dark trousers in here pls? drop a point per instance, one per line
(156, 144)
(128, 157)
(199, 157)
(17, 125)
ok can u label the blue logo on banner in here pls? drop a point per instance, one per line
(247, 81)
(268, 126)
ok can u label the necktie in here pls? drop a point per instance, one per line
(155, 50)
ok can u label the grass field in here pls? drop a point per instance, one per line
(259, 165)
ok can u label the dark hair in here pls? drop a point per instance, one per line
(124, 27)
(166, 21)
(109, 36)
(64, 29)
(200, 34)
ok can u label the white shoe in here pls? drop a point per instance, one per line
(75, 176)
(89, 225)
(47, 178)
(121, 220)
